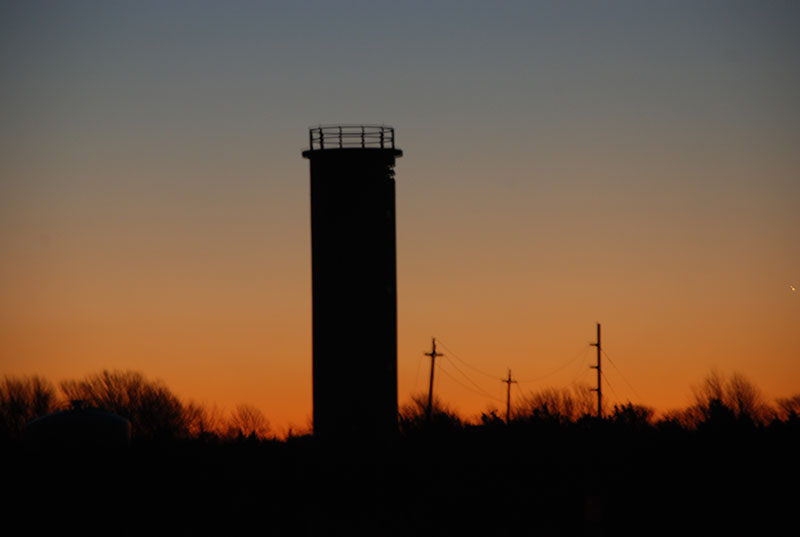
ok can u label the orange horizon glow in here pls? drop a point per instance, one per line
(285, 396)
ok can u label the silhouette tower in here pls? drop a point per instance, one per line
(354, 280)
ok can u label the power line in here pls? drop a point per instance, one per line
(623, 376)
(484, 394)
(464, 374)
(612, 388)
(522, 399)
(480, 391)
(416, 378)
(454, 355)
(582, 371)
(583, 350)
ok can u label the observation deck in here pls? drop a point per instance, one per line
(351, 137)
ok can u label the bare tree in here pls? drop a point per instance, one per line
(732, 399)
(248, 421)
(203, 421)
(151, 407)
(23, 399)
(746, 399)
(789, 407)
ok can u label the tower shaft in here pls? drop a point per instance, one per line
(353, 266)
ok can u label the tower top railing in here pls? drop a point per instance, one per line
(351, 136)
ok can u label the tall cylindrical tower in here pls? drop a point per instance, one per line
(354, 280)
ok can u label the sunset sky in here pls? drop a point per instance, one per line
(635, 164)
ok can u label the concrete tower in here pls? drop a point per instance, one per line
(354, 280)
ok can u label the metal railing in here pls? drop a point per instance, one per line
(351, 136)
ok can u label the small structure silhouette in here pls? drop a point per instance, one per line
(80, 428)
(353, 258)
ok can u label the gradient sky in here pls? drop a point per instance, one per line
(630, 163)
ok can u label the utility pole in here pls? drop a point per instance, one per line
(433, 354)
(599, 388)
(509, 382)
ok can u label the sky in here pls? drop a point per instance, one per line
(634, 164)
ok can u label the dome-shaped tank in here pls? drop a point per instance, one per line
(78, 428)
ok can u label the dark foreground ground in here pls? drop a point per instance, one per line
(475, 481)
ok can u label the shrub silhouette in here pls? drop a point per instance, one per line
(413, 415)
(22, 400)
(557, 405)
(632, 417)
(491, 418)
(154, 412)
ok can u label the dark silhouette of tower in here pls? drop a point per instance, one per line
(354, 279)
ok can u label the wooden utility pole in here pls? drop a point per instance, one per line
(433, 354)
(599, 388)
(509, 382)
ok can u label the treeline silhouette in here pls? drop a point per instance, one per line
(727, 463)
(154, 411)
(720, 402)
